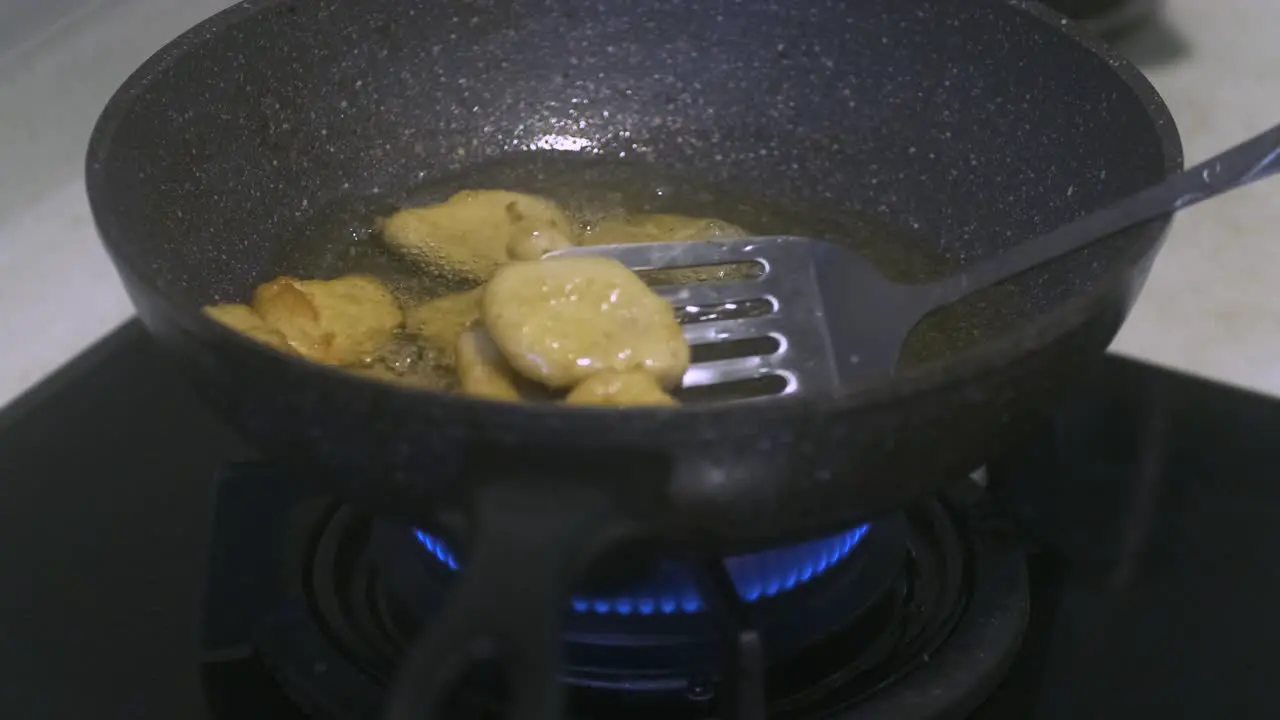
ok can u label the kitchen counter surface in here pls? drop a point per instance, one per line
(1209, 308)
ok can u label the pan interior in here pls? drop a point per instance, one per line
(925, 134)
(342, 237)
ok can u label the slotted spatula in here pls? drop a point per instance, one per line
(837, 321)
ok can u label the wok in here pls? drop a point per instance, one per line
(967, 126)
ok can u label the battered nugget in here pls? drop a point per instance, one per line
(561, 320)
(439, 322)
(471, 234)
(336, 322)
(658, 227)
(633, 387)
(482, 369)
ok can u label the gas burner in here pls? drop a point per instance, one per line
(310, 605)
(638, 625)
(669, 588)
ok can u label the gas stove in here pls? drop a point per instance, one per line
(1117, 566)
(920, 611)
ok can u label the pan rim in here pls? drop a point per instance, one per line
(962, 367)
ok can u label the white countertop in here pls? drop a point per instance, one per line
(1208, 308)
(58, 291)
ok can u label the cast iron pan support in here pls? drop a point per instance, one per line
(742, 678)
(533, 538)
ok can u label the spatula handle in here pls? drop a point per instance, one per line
(1243, 164)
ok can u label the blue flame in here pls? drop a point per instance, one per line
(437, 547)
(671, 589)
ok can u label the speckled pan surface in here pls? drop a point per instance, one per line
(974, 124)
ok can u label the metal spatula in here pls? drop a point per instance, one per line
(837, 321)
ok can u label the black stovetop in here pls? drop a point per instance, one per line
(1151, 511)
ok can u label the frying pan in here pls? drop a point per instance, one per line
(966, 125)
